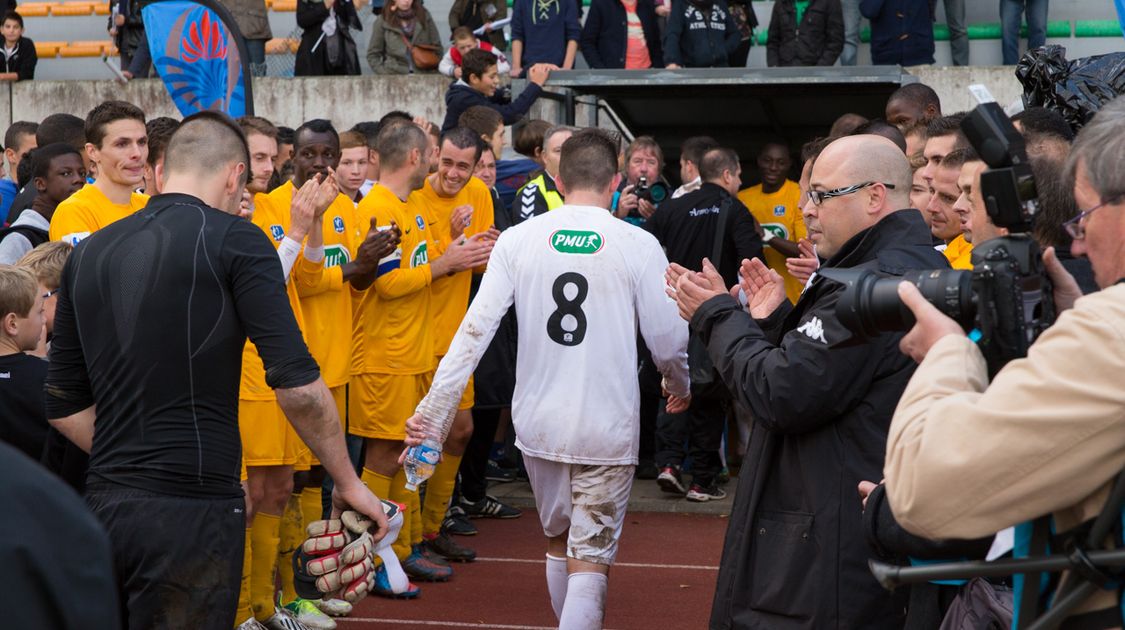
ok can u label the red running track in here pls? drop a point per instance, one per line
(664, 578)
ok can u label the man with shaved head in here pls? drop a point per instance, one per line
(822, 399)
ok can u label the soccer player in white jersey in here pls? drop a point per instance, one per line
(582, 281)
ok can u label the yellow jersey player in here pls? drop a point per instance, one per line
(117, 145)
(393, 332)
(774, 203)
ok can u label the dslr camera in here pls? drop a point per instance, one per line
(654, 193)
(1006, 301)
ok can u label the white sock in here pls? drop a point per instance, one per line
(585, 602)
(556, 583)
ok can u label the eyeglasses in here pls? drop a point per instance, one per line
(48, 294)
(1076, 229)
(818, 197)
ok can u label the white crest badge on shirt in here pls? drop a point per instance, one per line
(813, 329)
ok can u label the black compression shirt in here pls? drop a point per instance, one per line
(151, 321)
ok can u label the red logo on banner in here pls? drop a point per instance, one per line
(204, 41)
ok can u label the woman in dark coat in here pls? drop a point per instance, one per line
(605, 37)
(327, 47)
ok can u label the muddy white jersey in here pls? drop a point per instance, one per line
(582, 282)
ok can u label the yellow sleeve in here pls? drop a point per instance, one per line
(403, 281)
(484, 218)
(71, 223)
(314, 278)
(799, 229)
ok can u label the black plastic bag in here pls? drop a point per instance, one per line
(1076, 89)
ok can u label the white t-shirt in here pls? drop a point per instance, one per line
(582, 281)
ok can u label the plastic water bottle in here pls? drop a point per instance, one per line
(420, 462)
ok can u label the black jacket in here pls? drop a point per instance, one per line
(902, 31)
(333, 56)
(816, 41)
(460, 97)
(604, 35)
(686, 228)
(23, 61)
(698, 38)
(795, 554)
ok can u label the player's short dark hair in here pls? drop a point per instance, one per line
(316, 125)
(482, 119)
(395, 114)
(1040, 121)
(18, 130)
(1056, 201)
(463, 138)
(694, 147)
(258, 125)
(845, 124)
(23, 170)
(370, 131)
(285, 135)
(41, 157)
(947, 126)
(109, 112)
(811, 149)
(958, 157)
(880, 127)
(476, 62)
(66, 128)
(13, 16)
(159, 131)
(206, 141)
(396, 141)
(589, 160)
(919, 94)
(529, 136)
(716, 161)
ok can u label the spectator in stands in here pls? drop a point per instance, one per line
(478, 84)
(622, 34)
(127, 28)
(902, 32)
(404, 40)
(252, 17)
(912, 103)
(958, 34)
(852, 19)
(463, 42)
(1011, 12)
(691, 152)
(59, 173)
(489, 125)
(23, 419)
(352, 169)
(327, 47)
(544, 31)
(805, 33)
(700, 34)
(745, 20)
(159, 132)
(474, 14)
(19, 51)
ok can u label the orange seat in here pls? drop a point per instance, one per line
(284, 5)
(84, 49)
(34, 9)
(48, 49)
(72, 8)
(101, 8)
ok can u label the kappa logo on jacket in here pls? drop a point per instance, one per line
(813, 329)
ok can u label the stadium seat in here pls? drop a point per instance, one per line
(72, 8)
(48, 49)
(34, 9)
(284, 5)
(85, 49)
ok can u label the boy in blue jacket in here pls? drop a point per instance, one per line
(479, 82)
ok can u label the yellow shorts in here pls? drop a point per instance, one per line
(267, 437)
(340, 397)
(381, 403)
(467, 397)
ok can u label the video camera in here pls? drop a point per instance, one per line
(654, 193)
(1006, 301)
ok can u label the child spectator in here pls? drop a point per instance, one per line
(327, 47)
(404, 40)
(622, 34)
(23, 419)
(478, 84)
(19, 52)
(700, 34)
(805, 33)
(463, 42)
(544, 31)
(58, 173)
(477, 13)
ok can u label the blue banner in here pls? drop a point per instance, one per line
(200, 55)
(1121, 13)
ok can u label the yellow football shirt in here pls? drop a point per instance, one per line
(778, 213)
(88, 211)
(450, 295)
(960, 253)
(392, 332)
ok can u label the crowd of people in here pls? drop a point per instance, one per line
(246, 324)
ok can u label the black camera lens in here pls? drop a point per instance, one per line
(658, 192)
(870, 302)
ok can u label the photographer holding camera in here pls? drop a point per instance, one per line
(1046, 436)
(641, 189)
(821, 399)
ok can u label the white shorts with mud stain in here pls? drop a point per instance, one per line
(588, 501)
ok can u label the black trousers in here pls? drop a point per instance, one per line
(475, 462)
(177, 560)
(700, 428)
(649, 380)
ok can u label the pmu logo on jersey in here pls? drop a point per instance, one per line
(336, 255)
(338, 225)
(813, 329)
(419, 256)
(779, 211)
(577, 242)
(277, 231)
(777, 230)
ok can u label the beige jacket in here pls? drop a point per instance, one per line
(1047, 436)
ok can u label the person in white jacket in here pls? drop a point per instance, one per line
(463, 42)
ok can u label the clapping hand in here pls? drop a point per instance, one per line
(764, 288)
